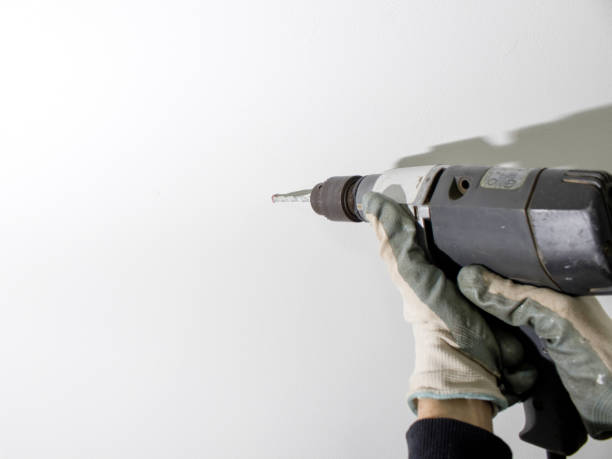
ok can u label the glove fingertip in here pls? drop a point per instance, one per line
(474, 282)
(378, 207)
(477, 284)
(366, 198)
(471, 281)
(371, 204)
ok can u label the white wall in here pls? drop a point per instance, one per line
(153, 303)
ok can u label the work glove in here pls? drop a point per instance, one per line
(577, 333)
(458, 354)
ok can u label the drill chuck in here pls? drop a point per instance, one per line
(336, 198)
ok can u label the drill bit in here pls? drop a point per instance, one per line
(296, 196)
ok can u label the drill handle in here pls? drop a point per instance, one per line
(551, 419)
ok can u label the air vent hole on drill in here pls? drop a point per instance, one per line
(459, 187)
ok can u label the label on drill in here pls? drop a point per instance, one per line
(504, 178)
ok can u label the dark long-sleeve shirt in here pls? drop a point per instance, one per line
(443, 438)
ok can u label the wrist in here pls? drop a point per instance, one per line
(472, 411)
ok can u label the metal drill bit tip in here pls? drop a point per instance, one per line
(296, 196)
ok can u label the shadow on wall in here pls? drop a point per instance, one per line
(582, 140)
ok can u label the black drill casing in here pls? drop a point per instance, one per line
(545, 227)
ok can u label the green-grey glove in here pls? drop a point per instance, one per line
(576, 330)
(457, 353)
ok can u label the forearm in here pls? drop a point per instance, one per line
(476, 412)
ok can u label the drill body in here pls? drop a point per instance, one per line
(545, 227)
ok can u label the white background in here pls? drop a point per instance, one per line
(153, 302)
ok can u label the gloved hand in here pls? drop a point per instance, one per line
(458, 355)
(577, 333)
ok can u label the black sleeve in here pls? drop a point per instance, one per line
(443, 438)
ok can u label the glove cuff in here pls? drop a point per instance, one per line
(443, 372)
